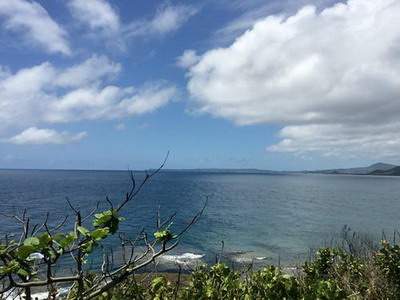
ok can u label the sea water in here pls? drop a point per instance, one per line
(249, 217)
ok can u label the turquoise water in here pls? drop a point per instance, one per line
(257, 216)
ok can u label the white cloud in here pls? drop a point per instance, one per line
(103, 21)
(187, 59)
(32, 20)
(256, 10)
(110, 102)
(46, 94)
(314, 73)
(92, 70)
(168, 18)
(97, 14)
(367, 141)
(100, 15)
(38, 136)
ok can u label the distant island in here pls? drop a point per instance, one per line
(382, 169)
(375, 169)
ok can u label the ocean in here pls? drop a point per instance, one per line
(259, 217)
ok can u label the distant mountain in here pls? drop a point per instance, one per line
(375, 169)
(391, 172)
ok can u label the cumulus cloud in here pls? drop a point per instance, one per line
(46, 94)
(31, 20)
(38, 136)
(256, 10)
(168, 18)
(97, 14)
(329, 76)
(187, 59)
(110, 102)
(336, 140)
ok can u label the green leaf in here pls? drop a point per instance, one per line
(32, 241)
(70, 238)
(59, 237)
(23, 272)
(88, 246)
(102, 218)
(45, 240)
(63, 240)
(158, 282)
(163, 235)
(83, 230)
(11, 267)
(100, 233)
(108, 218)
(3, 249)
(24, 251)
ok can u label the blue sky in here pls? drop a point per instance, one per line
(220, 84)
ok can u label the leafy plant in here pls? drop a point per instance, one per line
(388, 261)
(31, 260)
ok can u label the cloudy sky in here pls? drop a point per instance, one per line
(272, 84)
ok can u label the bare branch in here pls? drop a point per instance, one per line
(194, 220)
(109, 202)
(93, 211)
(71, 206)
(133, 193)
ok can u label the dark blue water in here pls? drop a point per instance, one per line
(261, 215)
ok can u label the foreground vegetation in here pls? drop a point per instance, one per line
(32, 259)
(334, 273)
(356, 269)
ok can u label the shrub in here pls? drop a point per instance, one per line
(388, 261)
(31, 260)
(271, 283)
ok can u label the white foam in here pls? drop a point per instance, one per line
(36, 256)
(246, 257)
(182, 259)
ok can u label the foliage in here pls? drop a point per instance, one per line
(388, 262)
(333, 274)
(31, 260)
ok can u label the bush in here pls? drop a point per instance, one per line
(388, 261)
(32, 260)
(333, 274)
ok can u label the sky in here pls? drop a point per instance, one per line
(272, 84)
